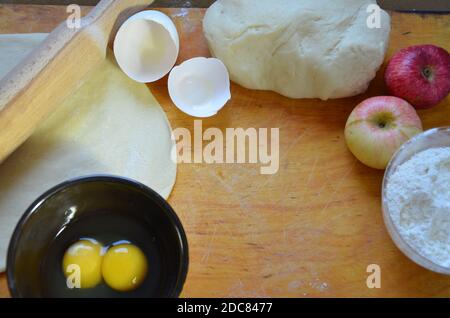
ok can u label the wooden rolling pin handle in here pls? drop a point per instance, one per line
(35, 87)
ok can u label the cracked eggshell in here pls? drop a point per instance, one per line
(200, 87)
(146, 46)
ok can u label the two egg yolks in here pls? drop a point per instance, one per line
(123, 267)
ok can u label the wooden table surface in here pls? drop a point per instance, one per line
(310, 230)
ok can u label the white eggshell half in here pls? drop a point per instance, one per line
(146, 46)
(200, 87)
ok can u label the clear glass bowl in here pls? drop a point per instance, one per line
(433, 138)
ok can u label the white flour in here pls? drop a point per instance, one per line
(418, 198)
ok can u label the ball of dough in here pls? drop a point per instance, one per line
(300, 49)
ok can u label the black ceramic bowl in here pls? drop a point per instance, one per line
(56, 212)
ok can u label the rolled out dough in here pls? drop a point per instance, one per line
(14, 47)
(110, 125)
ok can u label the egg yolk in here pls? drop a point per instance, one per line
(84, 258)
(124, 267)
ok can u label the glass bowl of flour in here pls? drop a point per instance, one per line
(416, 199)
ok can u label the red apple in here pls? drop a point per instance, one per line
(378, 126)
(419, 74)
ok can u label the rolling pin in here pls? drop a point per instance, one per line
(31, 91)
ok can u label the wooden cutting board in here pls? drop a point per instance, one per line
(312, 229)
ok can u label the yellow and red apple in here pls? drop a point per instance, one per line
(378, 126)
